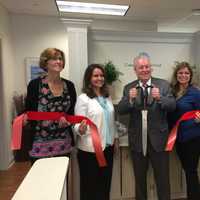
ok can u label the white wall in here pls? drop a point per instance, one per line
(127, 26)
(22, 36)
(6, 87)
(121, 48)
(33, 34)
(196, 53)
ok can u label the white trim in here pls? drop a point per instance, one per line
(141, 37)
(78, 22)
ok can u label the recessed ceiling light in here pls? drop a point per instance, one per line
(92, 8)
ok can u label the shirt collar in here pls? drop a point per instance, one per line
(148, 83)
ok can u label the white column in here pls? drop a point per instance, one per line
(77, 63)
(77, 50)
(195, 54)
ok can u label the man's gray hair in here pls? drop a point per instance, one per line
(142, 55)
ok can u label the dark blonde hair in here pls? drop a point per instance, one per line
(87, 81)
(174, 82)
(48, 54)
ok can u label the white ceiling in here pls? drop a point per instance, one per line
(170, 15)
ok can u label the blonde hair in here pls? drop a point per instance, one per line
(48, 54)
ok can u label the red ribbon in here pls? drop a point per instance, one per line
(18, 124)
(173, 133)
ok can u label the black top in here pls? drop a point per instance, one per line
(34, 102)
(31, 103)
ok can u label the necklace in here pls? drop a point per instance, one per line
(180, 93)
(56, 88)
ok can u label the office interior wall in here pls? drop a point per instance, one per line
(6, 87)
(163, 49)
(33, 34)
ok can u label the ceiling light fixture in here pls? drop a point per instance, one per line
(195, 12)
(92, 8)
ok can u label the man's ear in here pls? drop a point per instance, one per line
(134, 68)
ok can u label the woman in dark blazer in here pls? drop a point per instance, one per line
(188, 140)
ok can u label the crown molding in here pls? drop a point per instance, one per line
(76, 22)
(138, 37)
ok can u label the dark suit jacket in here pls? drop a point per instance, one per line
(157, 115)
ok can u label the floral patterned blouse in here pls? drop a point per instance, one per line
(50, 139)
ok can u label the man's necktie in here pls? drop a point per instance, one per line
(144, 120)
(145, 95)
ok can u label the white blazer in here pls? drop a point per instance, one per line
(90, 108)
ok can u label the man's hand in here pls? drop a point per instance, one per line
(155, 93)
(132, 94)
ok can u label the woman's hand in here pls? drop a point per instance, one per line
(116, 145)
(83, 127)
(25, 120)
(63, 122)
(197, 117)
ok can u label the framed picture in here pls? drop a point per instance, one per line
(32, 68)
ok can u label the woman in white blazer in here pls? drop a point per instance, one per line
(95, 104)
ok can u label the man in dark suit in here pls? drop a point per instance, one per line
(147, 101)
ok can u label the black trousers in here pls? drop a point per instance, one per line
(95, 181)
(189, 153)
(160, 165)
